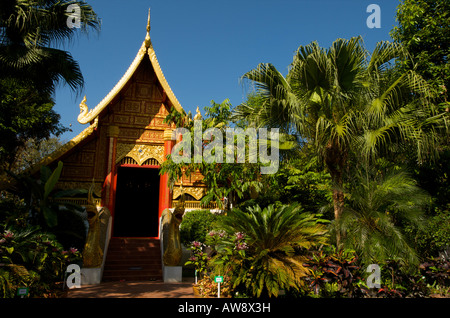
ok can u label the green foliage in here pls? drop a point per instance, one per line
(436, 274)
(298, 179)
(33, 151)
(36, 252)
(349, 105)
(424, 29)
(396, 283)
(13, 211)
(218, 114)
(26, 113)
(434, 237)
(436, 270)
(196, 224)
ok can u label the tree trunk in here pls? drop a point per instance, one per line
(338, 203)
(335, 160)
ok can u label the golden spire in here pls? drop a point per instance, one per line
(148, 21)
(147, 37)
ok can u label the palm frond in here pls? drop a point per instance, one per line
(31, 33)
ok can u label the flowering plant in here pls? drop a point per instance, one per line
(198, 258)
(230, 252)
(215, 237)
(239, 241)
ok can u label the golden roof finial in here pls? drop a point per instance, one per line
(147, 37)
(148, 21)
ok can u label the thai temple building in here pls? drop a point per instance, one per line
(118, 155)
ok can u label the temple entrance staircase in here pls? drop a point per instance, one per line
(133, 259)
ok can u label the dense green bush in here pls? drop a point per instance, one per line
(435, 237)
(195, 225)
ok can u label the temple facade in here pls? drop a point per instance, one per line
(122, 148)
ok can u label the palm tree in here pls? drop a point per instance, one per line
(344, 101)
(274, 235)
(30, 31)
(378, 203)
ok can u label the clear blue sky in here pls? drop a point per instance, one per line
(204, 47)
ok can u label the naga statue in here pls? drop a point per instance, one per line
(170, 224)
(93, 253)
(198, 115)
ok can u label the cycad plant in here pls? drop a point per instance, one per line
(379, 204)
(270, 257)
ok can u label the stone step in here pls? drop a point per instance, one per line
(133, 265)
(133, 253)
(133, 259)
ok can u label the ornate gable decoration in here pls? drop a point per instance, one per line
(140, 153)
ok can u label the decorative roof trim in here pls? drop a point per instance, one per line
(162, 79)
(64, 148)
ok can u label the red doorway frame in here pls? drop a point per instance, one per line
(114, 191)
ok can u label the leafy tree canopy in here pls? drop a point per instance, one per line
(424, 30)
(30, 33)
(25, 113)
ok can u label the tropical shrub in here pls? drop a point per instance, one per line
(380, 203)
(34, 259)
(229, 252)
(196, 224)
(396, 283)
(298, 180)
(333, 273)
(263, 251)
